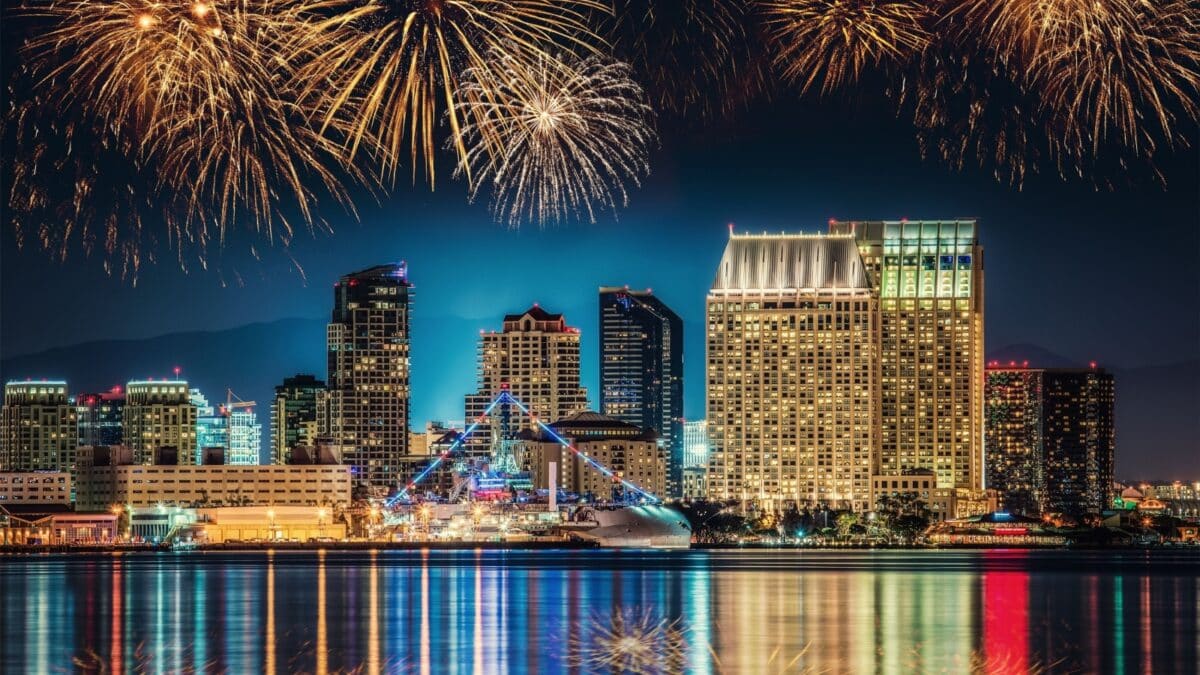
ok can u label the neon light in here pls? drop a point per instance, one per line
(506, 397)
(1011, 531)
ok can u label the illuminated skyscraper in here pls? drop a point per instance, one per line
(1079, 439)
(793, 373)
(38, 430)
(236, 432)
(641, 369)
(1014, 453)
(1050, 437)
(99, 416)
(159, 415)
(368, 347)
(536, 357)
(300, 402)
(929, 279)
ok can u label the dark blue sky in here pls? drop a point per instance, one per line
(1106, 276)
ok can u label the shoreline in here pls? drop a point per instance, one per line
(30, 551)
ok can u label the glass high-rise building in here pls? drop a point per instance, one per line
(236, 431)
(641, 369)
(793, 373)
(99, 416)
(696, 446)
(929, 279)
(369, 369)
(296, 412)
(38, 429)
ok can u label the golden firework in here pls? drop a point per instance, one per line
(631, 641)
(393, 66)
(196, 91)
(692, 55)
(1123, 71)
(570, 134)
(832, 42)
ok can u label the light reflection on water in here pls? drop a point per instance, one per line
(538, 611)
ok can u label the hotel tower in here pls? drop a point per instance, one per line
(793, 373)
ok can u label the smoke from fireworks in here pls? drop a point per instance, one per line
(194, 91)
(830, 43)
(570, 133)
(393, 66)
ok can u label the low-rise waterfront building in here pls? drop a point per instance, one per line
(100, 487)
(629, 452)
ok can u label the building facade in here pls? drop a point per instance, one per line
(793, 373)
(35, 487)
(1050, 438)
(1079, 439)
(631, 453)
(535, 357)
(99, 487)
(99, 417)
(159, 415)
(696, 446)
(369, 371)
(38, 429)
(929, 279)
(296, 414)
(641, 369)
(1013, 449)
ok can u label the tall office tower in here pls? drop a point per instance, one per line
(641, 369)
(1079, 439)
(1013, 449)
(695, 444)
(99, 417)
(38, 430)
(929, 279)
(295, 415)
(793, 374)
(368, 343)
(535, 357)
(159, 415)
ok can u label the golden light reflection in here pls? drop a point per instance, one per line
(373, 625)
(270, 611)
(322, 627)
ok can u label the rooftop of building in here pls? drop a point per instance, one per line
(389, 272)
(770, 262)
(593, 424)
(536, 313)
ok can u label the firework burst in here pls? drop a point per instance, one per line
(393, 66)
(570, 135)
(830, 43)
(1124, 71)
(630, 641)
(692, 55)
(196, 93)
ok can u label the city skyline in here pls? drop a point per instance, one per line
(592, 341)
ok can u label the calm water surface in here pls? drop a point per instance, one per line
(606, 611)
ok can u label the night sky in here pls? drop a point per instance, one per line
(1090, 275)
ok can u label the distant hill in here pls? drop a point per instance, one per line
(250, 359)
(1158, 407)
